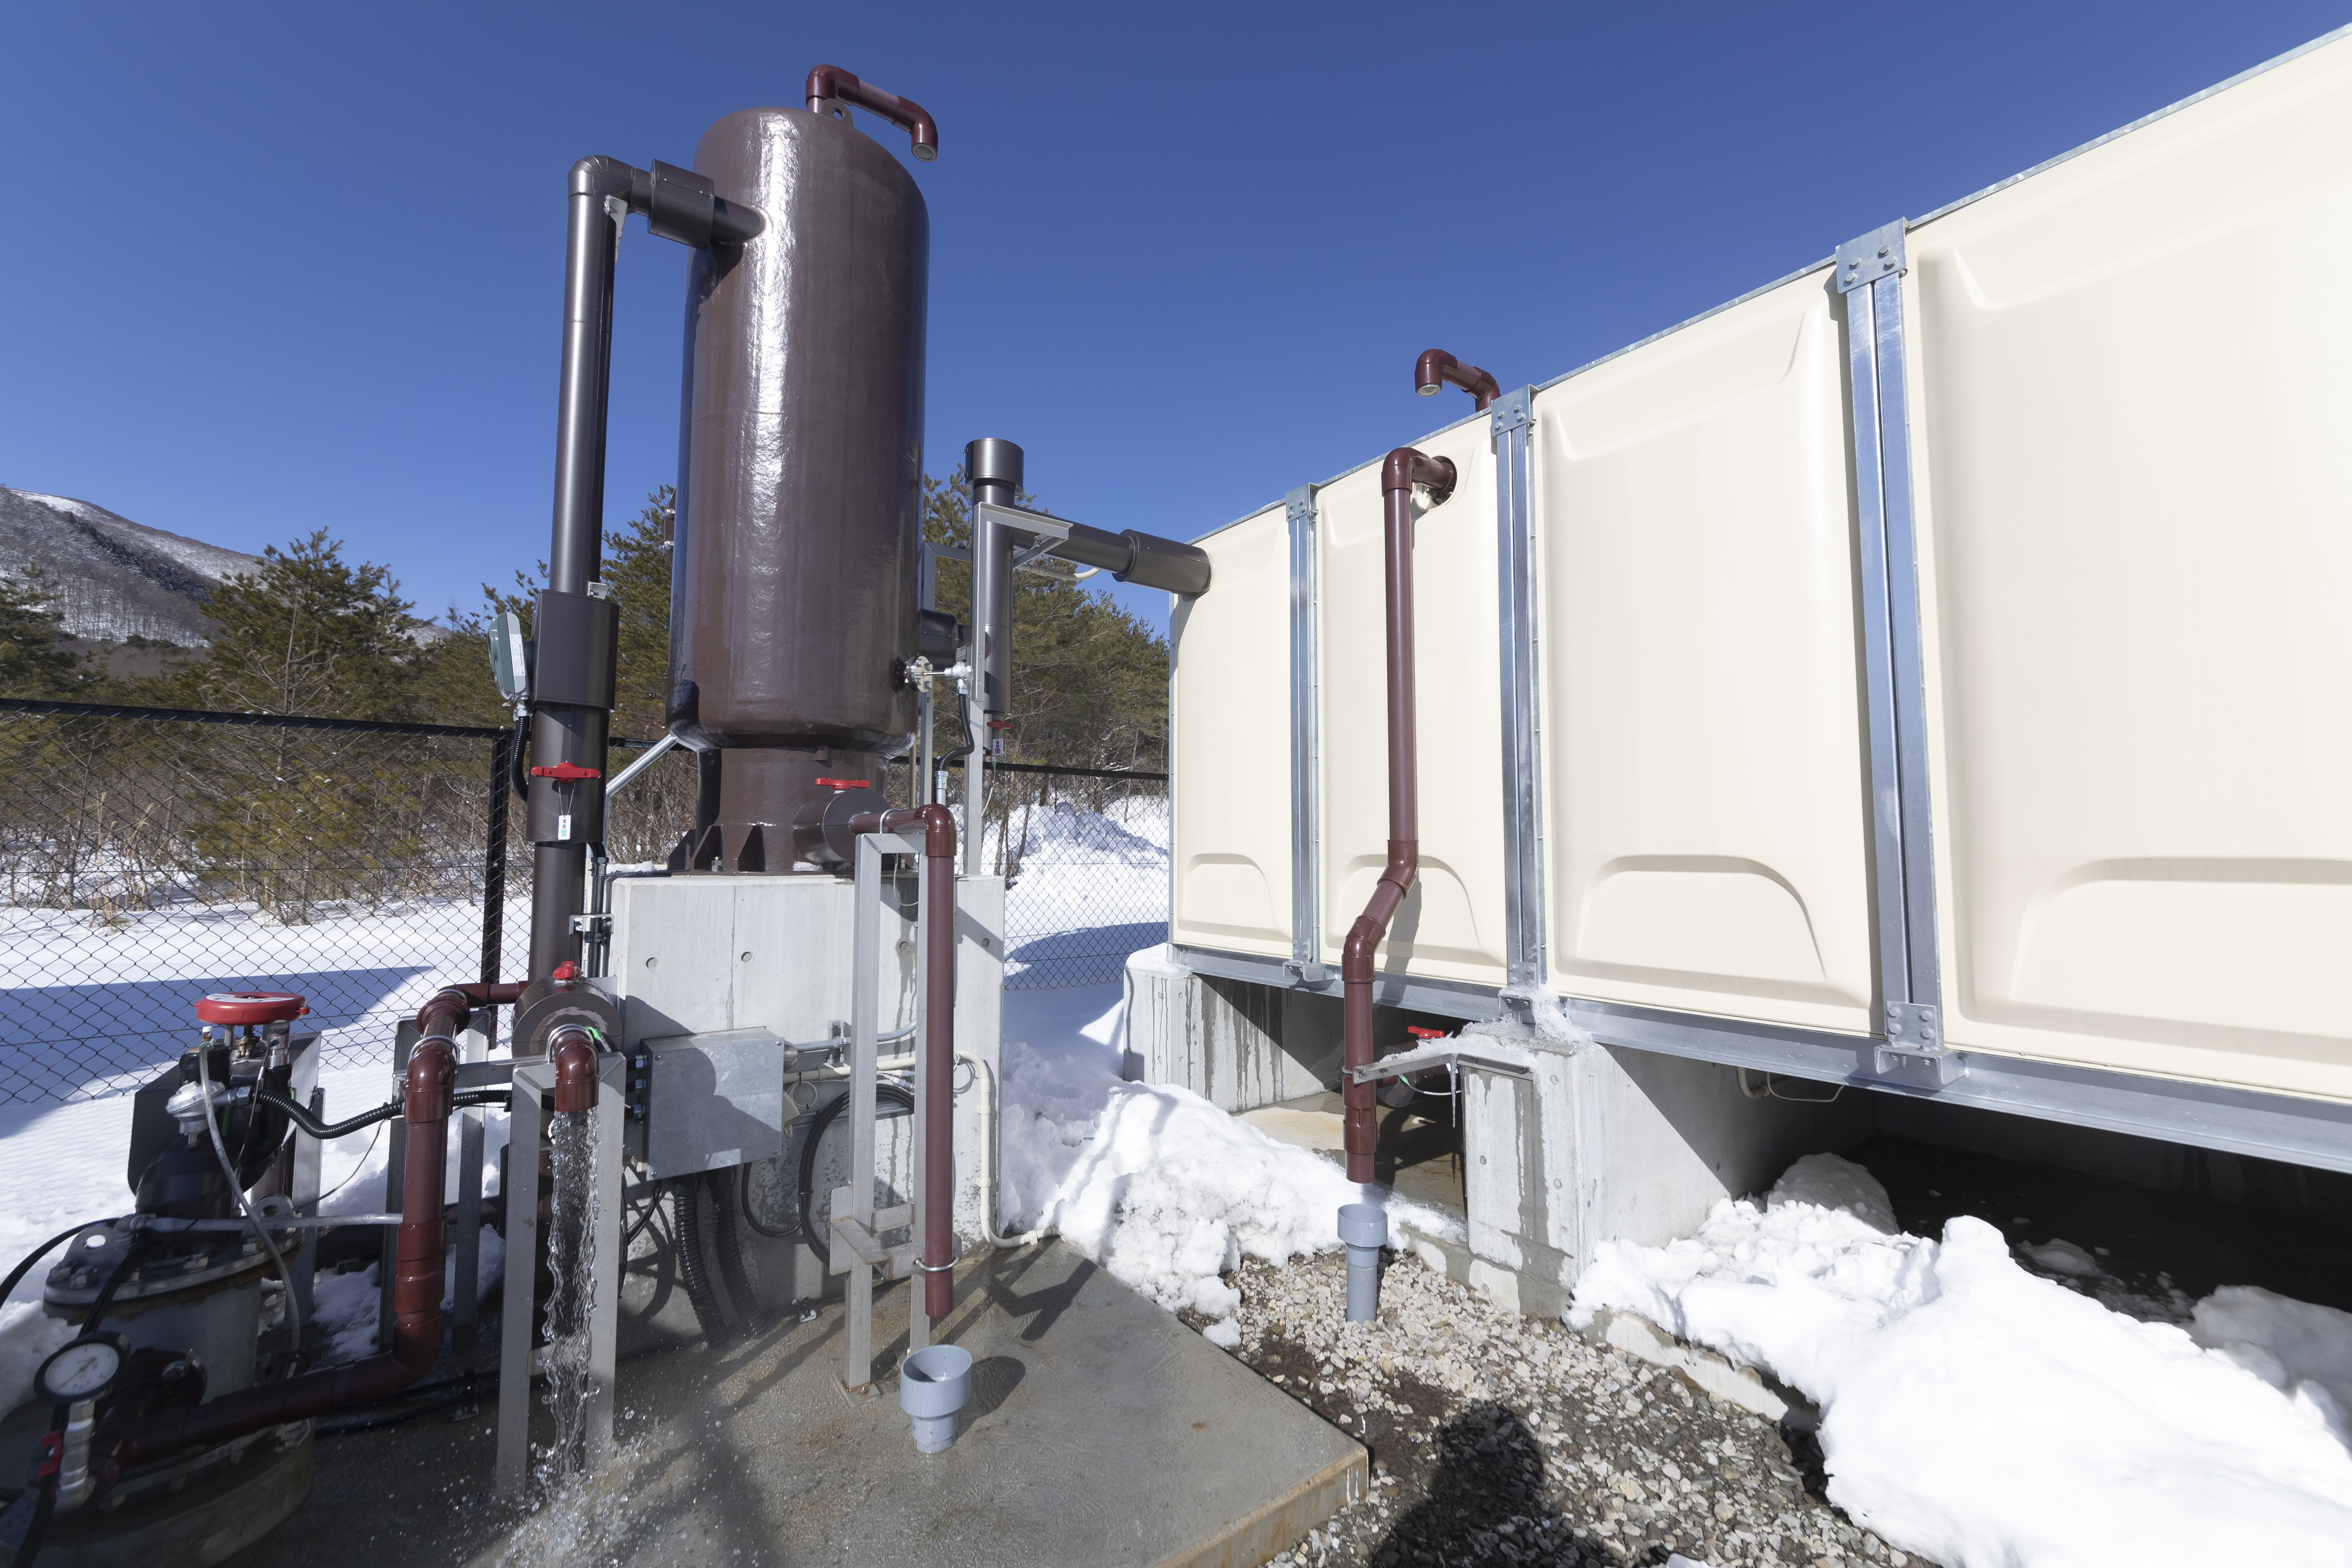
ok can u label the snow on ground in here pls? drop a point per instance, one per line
(1153, 1182)
(1986, 1417)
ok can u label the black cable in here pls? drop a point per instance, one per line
(138, 1241)
(520, 751)
(688, 1195)
(751, 1211)
(731, 1256)
(300, 1114)
(812, 1233)
(424, 1398)
(38, 1527)
(17, 1275)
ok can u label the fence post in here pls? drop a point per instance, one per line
(494, 870)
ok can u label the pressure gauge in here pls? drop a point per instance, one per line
(83, 1370)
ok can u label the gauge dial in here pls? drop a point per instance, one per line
(83, 1370)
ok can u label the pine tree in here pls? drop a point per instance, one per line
(636, 574)
(1089, 680)
(31, 663)
(308, 633)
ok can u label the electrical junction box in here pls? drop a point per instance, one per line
(711, 1101)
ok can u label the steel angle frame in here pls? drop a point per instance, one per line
(518, 1330)
(1513, 417)
(2286, 1127)
(1305, 963)
(1869, 277)
(856, 1224)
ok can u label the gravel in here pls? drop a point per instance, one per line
(1500, 1439)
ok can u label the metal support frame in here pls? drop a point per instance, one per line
(2289, 1127)
(1305, 816)
(518, 1336)
(1869, 275)
(465, 1234)
(1513, 424)
(857, 1226)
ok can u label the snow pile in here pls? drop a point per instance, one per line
(1981, 1416)
(1153, 1182)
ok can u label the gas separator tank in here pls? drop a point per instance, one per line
(800, 477)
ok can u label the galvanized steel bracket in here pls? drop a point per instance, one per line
(1443, 1055)
(1513, 410)
(1876, 255)
(1913, 1047)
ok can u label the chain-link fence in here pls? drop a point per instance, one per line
(149, 856)
(1085, 855)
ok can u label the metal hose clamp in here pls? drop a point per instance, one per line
(947, 1267)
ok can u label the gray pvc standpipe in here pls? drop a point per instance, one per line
(1364, 1229)
(933, 1384)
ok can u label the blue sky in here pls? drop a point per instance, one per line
(274, 268)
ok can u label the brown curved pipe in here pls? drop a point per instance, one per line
(1400, 472)
(832, 84)
(938, 1040)
(574, 1055)
(450, 1005)
(1437, 369)
(415, 1301)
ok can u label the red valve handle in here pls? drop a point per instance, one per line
(566, 970)
(845, 783)
(235, 1007)
(1417, 1032)
(566, 773)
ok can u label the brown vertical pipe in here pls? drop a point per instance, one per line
(1403, 469)
(939, 1041)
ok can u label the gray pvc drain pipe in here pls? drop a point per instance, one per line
(933, 1384)
(1364, 1227)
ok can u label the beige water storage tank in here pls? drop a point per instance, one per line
(1705, 790)
(1451, 924)
(1230, 706)
(2132, 378)
(2129, 382)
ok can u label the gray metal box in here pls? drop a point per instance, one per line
(714, 1100)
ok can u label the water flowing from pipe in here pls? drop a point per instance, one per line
(571, 1260)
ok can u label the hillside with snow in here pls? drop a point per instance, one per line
(115, 578)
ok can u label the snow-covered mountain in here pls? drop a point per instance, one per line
(115, 578)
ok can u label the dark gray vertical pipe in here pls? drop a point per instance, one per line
(994, 469)
(559, 732)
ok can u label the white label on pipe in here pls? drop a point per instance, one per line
(564, 826)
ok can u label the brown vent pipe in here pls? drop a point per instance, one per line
(1438, 369)
(1403, 469)
(830, 86)
(416, 1288)
(939, 1041)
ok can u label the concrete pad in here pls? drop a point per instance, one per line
(1100, 1430)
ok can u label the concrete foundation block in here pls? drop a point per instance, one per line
(1237, 1045)
(1599, 1144)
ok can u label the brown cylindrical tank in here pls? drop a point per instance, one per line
(799, 481)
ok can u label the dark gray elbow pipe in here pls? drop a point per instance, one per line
(577, 635)
(1139, 557)
(993, 466)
